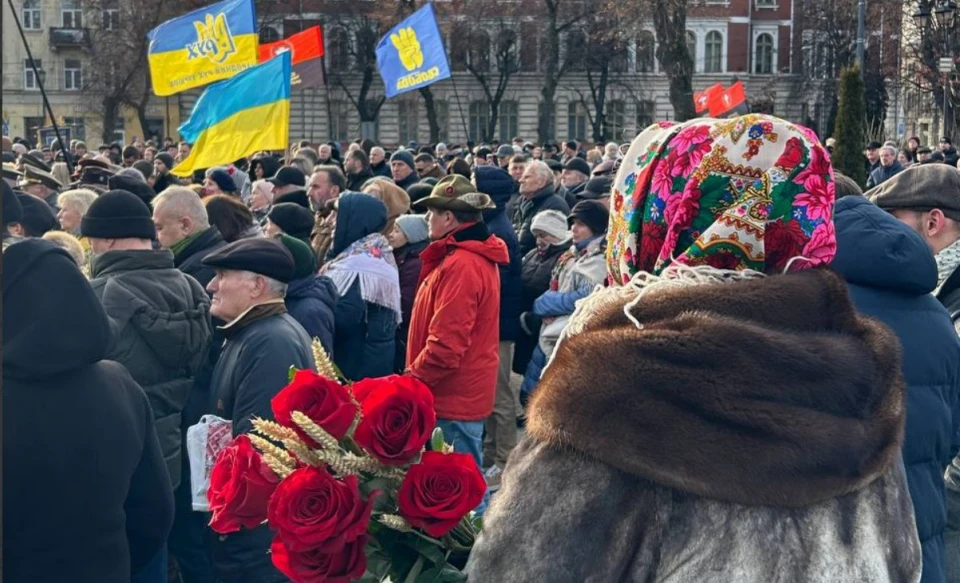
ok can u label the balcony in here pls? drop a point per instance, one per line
(69, 38)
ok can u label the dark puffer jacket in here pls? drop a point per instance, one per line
(496, 183)
(891, 273)
(160, 319)
(526, 209)
(86, 494)
(408, 266)
(536, 272)
(312, 302)
(188, 260)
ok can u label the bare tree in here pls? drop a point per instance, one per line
(559, 17)
(670, 22)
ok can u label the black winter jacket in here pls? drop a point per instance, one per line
(86, 493)
(527, 209)
(160, 319)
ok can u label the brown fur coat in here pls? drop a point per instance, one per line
(748, 432)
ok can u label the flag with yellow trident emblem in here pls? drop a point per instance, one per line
(411, 55)
(209, 44)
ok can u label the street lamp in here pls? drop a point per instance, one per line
(922, 17)
(945, 16)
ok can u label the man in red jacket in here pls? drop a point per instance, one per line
(454, 329)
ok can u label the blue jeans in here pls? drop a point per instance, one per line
(466, 437)
(155, 571)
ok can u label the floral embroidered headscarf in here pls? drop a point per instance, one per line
(753, 192)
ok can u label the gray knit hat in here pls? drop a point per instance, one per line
(405, 157)
(414, 228)
(553, 223)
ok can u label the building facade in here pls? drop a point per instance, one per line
(59, 34)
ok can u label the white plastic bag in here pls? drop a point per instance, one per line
(205, 441)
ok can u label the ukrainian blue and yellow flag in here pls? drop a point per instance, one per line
(411, 55)
(237, 117)
(209, 44)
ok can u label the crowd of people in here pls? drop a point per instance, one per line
(528, 286)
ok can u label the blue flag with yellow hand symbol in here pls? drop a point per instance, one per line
(411, 55)
(209, 44)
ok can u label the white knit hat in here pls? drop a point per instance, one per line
(553, 223)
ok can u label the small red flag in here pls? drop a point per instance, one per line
(306, 48)
(702, 99)
(733, 100)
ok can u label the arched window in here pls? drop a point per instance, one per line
(713, 52)
(576, 50)
(480, 51)
(268, 34)
(509, 120)
(764, 54)
(692, 47)
(479, 117)
(338, 50)
(646, 52)
(507, 50)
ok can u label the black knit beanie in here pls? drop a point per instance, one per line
(118, 214)
(591, 213)
(292, 219)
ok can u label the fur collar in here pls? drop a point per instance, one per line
(767, 392)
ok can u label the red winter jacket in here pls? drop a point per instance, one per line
(454, 329)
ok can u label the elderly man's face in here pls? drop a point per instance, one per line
(233, 292)
(571, 178)
(171, 229)
(376, 155)
(530, 181)
(887, 157)
(325, 152)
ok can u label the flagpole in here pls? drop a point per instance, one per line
(43, 93)
(466, 132)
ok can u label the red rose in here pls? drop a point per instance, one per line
(327, 403)
(240, 486)
(313, 511)
(397, 418)
(314, 566)
(782, 241)
(440, 490)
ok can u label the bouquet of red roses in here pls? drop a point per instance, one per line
(343, 480)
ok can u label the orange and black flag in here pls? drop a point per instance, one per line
(305, 49)
(731, 102)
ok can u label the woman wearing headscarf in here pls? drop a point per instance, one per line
(720, 412)
(362, 267)
(396, 199)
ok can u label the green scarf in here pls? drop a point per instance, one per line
(179, 246)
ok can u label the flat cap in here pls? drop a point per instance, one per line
(596, 187)
(578, 164)
(505, 151)
(267, 257)
(924, 187)
(554, 165)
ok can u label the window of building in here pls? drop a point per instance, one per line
(366, 46)
(77, 128)
(479, 52)
(551, 119)
(338, 51)
(576, 121)
(459, 43)
(111, 19)
(620, 59)
(764, 54)
(646, 109)
(479, 118)
(29, 78)
(72, 14)
(443, 117)
(646, 52)
(30, 15)
(528, 48)
(339, 121)
(767, 3)
(616, 120)
(72, 75)
(408, 121)
(509, 120)
(269, 34)
(576, 50)
(32, 125)
(713, 53)
(507, 58)
(375, 131)
(692, 47)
